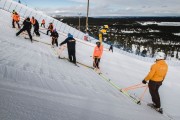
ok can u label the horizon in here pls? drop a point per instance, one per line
(107, 8)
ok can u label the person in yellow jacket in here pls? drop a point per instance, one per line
(98, 50)
(16, 18)
(155, 77)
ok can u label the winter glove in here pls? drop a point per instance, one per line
(144, 82)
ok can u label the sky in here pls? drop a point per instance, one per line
(107, 7)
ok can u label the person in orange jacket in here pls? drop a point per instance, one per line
(98, 50)
(35, 24)
(16, 18)
(50, 28)
(155, 77)
(43, 23)
(33, 21)
(13, 13)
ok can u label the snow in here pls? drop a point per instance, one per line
(34, 84)
(161, 23)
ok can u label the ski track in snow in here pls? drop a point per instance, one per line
(36, 85)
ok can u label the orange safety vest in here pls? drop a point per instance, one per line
(33, 21)
(16, 17)
(43, 21)
(50, 27)
(158, 71)
(98, 52)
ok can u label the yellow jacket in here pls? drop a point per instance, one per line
(158, 71)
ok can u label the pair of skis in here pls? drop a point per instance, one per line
(160, 111)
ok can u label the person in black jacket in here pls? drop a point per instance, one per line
(36, 28)
(27, 27)
(111, 47)
(54, 36)
(35, 24)
(71, 42)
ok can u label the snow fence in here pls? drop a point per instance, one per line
(25, 11)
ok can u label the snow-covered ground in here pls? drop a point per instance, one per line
(161, 23)
(35, 85)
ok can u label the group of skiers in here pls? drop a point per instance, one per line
(27, 24)
(155, 77)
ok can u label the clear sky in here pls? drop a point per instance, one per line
(108, 7)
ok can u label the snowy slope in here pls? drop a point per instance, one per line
(34, 84)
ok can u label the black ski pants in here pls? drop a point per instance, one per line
(153, 89)
(111, 49)
(55, 40)
(72, 56)
(48, 32)
(24, 29)
(42, 24)
(13, 25)
(36, 31)
(96, 62)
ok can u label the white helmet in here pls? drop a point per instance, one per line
(160, 55)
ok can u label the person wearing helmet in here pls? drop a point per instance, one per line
(155, 77)
(26, 27)
(98, 50)
(71, 45)
(54, 36)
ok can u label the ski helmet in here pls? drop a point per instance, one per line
(98, 43)
(69, 35)
(160, 55)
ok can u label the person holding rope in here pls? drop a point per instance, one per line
(26, 27)
(156, 76)
(35, 24)
(50, 28)
(98, 50)
(16, 19)
(43, 23)
(54, 36)
(71, 45)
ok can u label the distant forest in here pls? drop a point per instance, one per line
(127, 31)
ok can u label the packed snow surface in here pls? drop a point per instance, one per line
(36, 85)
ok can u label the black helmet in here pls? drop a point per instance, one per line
(27, 18)
(98, 43)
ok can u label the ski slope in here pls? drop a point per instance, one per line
(35, 85)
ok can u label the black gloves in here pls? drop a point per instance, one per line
(144, 82)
